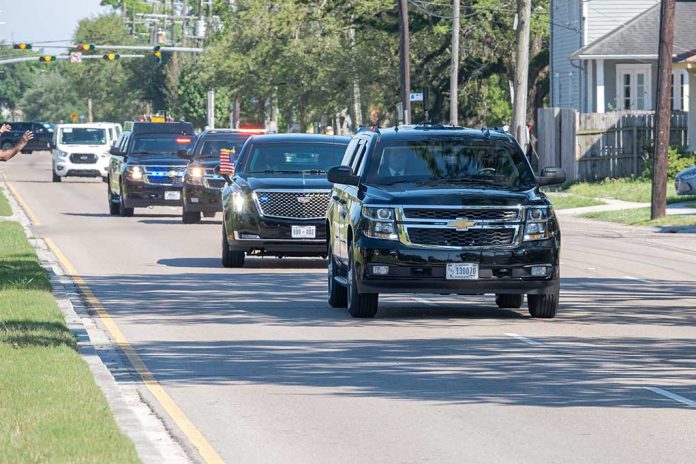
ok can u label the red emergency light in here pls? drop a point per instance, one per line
(183, 140)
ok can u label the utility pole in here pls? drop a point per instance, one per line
(404, 53)
(454, 67)
(663, 116)
(518, 127)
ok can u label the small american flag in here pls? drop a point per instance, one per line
(227, 161)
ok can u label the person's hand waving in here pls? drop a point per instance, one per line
(5, 128)
(28, 135)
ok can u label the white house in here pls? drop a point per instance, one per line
(604, 54)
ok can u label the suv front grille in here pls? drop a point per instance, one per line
(463, 238)
(160, 175)
(300, 205)
(455, 213)
(83, 158)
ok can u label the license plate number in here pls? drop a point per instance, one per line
(462, 271)
(304, 232)
(172, 195)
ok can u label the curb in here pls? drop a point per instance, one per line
(112, 372)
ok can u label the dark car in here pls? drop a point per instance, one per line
(441, 209)
(43, 136)
(145, 168)
(202, 186)
(277, 200)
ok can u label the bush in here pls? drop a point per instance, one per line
(678, 159)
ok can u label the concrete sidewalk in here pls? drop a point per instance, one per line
(682, 208)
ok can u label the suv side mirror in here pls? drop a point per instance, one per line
(342, 175)
(115, 151)
(225, 175)
(183, 154)
(552, 176)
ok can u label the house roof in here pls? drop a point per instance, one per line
(638, 38)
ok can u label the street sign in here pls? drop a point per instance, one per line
(416, 97)
(73, 116)
(75, 57)
(82, 118)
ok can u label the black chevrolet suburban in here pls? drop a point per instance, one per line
(441, 209)
(202, 186)
(276, 202)
(146, 168)
(43, 136)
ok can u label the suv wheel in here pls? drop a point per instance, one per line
(361, 305)
(113, 206)
(56, 177)
(7, 146)
(543, 306)
(123, 209)
(338, 295)
(190, 217)
(509, 301)
(230, 258)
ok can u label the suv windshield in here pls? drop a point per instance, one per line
(491, 163)
(160, 144)
(293, 157)
(82, 136)
(209, 148)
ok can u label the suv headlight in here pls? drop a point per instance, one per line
(136, 173)
(379, 223)
(195, 174)
(536, 226)
(61, 153)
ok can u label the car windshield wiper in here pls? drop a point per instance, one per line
(314, 171)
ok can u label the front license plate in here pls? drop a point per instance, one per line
(462, 271)
(304, 232)
(172, 195)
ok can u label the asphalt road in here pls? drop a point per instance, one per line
(268, 372)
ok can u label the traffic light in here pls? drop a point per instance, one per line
(85, 47)
(112, 57)
(157, 52)
(22, 46)
(47, 58)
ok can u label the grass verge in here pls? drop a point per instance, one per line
(51, 410)
(641, 217)
(572, 201)
(5, 209)
(635, 190)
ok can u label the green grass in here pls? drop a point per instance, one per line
(635, 190)
(5, 209)
(572, 201)
(50, 408)
(641, 217)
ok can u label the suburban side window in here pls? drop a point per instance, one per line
(360, 152)
(350, 151)
(360, 168)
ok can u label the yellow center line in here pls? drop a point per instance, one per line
(23, 204)
(196, 438)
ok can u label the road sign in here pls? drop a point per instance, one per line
(73, 116)
(82, 118)
(75, 57)
(415, 97)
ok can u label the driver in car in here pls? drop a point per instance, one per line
(394, 163)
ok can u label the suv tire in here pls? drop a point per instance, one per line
(7, 146)
(360, 305)
(190, 217)
(123, 209)
(338, 294)
(509, 301)
(543, 306)
(230, 258)
(56, 177)
(113, 206)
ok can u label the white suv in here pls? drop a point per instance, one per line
(81, 150)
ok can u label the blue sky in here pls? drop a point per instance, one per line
(44, 20)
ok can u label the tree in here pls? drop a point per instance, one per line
(15, 80)
(52, 97)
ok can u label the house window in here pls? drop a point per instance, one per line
(633, 91)
(680, 91)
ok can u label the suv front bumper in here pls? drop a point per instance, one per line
(423, 270)
(202, 199)
(249, 232)
(141, 195)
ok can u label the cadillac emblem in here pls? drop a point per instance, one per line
(304, 200)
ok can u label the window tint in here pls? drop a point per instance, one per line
(350, 152)
(359, 153)
(159, 144)
(210, 147)
(292, 157)
(82, 136)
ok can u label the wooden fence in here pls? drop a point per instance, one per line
(592, 146)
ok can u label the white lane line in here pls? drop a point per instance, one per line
(528, 341)
(424, 301)
(672, 396)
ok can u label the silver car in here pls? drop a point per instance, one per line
(685, 182)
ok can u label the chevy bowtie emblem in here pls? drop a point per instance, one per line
(460, 224)
(304, 200)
